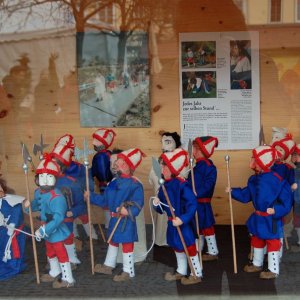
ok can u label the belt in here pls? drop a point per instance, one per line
(261, 213)
(68, 219)
(204, 200)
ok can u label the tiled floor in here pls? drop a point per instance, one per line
(219, 280)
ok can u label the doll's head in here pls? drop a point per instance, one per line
(170, 141)
(47, 172)
(263, 157)
(172, 163)
(113, 159)
(284, 146)
(103, 138)
(128, 160)
(295, 158)
(204, 146)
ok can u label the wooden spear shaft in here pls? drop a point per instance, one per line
(36, 264)
(196, 216)
(89, 216)
(231, 216)
(114, 229)
(179, 232)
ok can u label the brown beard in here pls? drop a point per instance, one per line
(46, 188)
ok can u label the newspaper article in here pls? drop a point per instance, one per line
(219, 87)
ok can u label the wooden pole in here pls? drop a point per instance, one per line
(102, 233)
(179, 232)
(231, 216)
(114, 229)
(86, 164)
(36, 264)
(196, 215)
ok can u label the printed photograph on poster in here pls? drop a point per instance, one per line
(240, 64)
(200, 84)
(200, 54)
(113, 79)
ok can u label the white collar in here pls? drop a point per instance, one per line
(12, 200)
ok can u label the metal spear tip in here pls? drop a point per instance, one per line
(227, 158)
(25, 167)
(161, 181)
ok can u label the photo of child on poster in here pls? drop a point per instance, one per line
(200, 54)
(200, 84)
(240, 64)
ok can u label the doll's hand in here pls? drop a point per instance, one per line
(38, 235)
(69, 214)
(228, 189)
(123, 211)
(177, 222)
(271, 211)
(294, 186)
(26, 203)
(155, 201)
(86, 195)
(11, 229)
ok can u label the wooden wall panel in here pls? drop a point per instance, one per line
(277, 108)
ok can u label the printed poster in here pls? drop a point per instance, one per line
(219, 88)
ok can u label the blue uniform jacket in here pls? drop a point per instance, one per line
(120, 190)
(266, 190)
(77, 170)
(184, 202)
(284, 170)
(52, 206)
(101, 167)
(72, 189)
(13, 266)
(205, 176)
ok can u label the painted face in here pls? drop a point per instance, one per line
(46, 180)
(167, 144)
(254, 166)
(295, 158)
(235, 50)
(165, 171)
(122, 167)
(113, 167)
(281, 151)
(98, 145)
(197, 153)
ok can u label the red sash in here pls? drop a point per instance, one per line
(204, 200)
(261, 213)
(15, 245)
